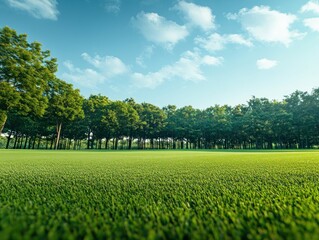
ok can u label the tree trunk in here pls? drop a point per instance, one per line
(3, 119)
(58, 131)
(30, 140)
(92, 142)
(88, 139)
(100, 143)
(25, 142)
(130, 143)
(21, 142)
(106, 143)
(15, 140)
(8, 140)
(116, 143)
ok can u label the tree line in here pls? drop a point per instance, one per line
(38, 110)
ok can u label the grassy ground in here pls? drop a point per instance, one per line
(159, 194)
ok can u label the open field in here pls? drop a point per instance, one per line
(159, 194)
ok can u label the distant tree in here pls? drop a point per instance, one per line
(170, 129)
(152, 122)
(95, 108)
(239, 136)
(133, 120)
(296, 107)
(186, 119)
(24, 72)
(65, 105)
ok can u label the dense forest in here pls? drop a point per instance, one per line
(38, 110)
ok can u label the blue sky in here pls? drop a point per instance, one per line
(198, 53)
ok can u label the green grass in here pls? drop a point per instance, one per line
(159, 194)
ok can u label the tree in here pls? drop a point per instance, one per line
(170, 129)
(95, 108)
(65, 104)
(126, 120)
(187, 127)
(24, 72)
(239, 136)
(153, 122)
(133, 119)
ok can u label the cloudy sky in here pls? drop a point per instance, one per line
(180, 52)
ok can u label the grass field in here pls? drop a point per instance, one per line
(159, 194)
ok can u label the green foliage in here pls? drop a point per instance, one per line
(65, 103)
(24, 72)
(159, 195)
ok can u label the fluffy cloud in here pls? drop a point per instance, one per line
(103, 68)
(311, 6)
(113, 6)
(197, 15)
(157, 29)
(312, 23)
(267, 25)
(215, 41)
(46, 9)
(85, 77)
(109, 66)
(187, 68)
(265, 64)
(146, 54)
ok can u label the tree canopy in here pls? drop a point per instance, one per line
(24, 74)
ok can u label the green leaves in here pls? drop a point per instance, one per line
(24, 73)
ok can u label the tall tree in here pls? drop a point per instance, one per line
(24, 72)
(153, 119)
(170, 129)
(95, 108)
(65, 104)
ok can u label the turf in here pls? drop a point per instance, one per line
(159, 195)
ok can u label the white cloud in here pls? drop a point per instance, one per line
(215, 41)
(104, 68)
(267, 25)
(311, 6)
(85, 77)
(238, 39)
(187, 68)
(210, 60)
(265, 64)
(46, 9)
(110, 66)
(157, 29)
(146, 54)
(113, 6)
(312, 23)
(197, 15)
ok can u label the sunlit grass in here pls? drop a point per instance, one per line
(159, 194)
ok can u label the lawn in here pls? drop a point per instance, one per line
(159, 195)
